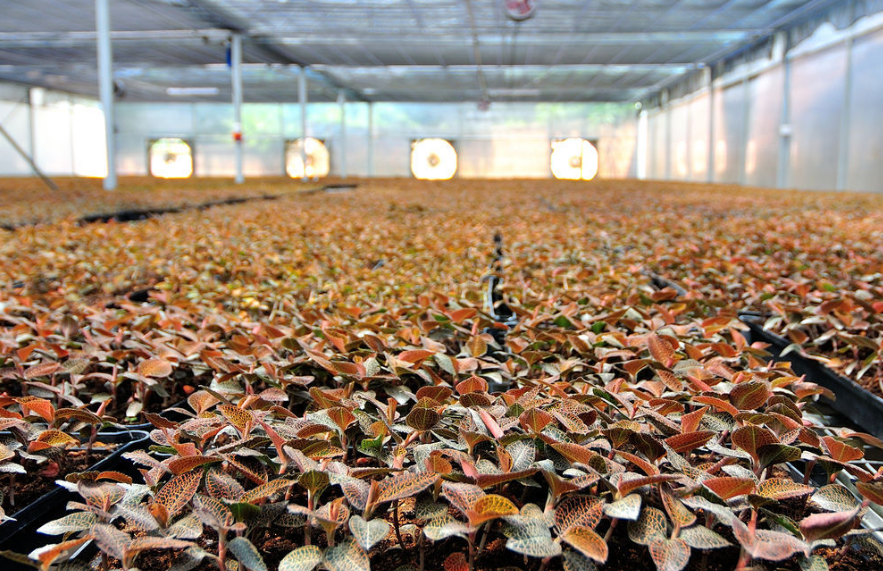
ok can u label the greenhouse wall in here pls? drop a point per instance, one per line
(805, 117)
(63, 133)
(508, 140)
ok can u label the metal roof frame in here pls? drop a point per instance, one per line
(393, 50)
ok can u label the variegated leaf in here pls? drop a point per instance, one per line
(301, 559)
(247, 554)
(368, 533)
(670, 554)
(347, 556)
(587, 542)
(70, 523)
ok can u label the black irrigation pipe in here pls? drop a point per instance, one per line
(137, 215)
(660, 282)
(854, 402)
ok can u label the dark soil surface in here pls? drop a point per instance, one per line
(40, 479)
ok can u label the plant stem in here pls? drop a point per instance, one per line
(395, 524)
(472, 550)
(422, 561)
(610, 529)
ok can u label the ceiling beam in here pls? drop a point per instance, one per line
(524, 39)
(274, 53)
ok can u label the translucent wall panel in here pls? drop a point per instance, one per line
(762, 146)
(514, 138)
(698, 149)
(679, 139)
(16, 118)
(817, 91)
(392, 156)
(52, 133)
(866, 116)
(729, 133)
(87, 139)
(617, 151)
(658, 129)
(155, 120)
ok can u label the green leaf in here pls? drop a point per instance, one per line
(347, 556)
(70, 523)
(243, 511)
(576, 561)
(650, 526)
(700, 537)
(247, 554)
(670, 554)
(443, 527)
(368, 533)
(301, 559)
(189, 559)
(812, 563)
(587, 542)
(628, 507)
(834, 498)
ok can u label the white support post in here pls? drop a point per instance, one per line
(710, 158)
(783, 177)
(105, 87)
(302, 98)
(341, 100)
(845, 120)
(236, 78)
(370, 138)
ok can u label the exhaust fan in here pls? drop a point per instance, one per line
(318, 159)
(574, 159)
(433, 159)
(520, 10)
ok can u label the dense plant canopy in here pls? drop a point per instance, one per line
(349, 399)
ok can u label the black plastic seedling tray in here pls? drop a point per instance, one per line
(855, 403)
(21, 535)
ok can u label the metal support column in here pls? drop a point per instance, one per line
(236, 78)
(105, 87)
(370, 138)
(845, 120)
(302, 98)
(341, 100)
(709, 175)
(783, 177)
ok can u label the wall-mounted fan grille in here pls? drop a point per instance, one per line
(170, 157)
(433, 159)
(574, 159)
(318, 159)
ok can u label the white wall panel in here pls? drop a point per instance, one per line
(729, 133)
(866, 117)
(679, 141)
(698, 150)
(817, 94)
(53, 152)
(762, 146)
(16, 118)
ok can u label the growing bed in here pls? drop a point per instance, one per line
(336, 356)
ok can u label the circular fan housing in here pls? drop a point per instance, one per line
(520, 10)
(318, 159)
(574, 159)
(433, 159)
(171, 158)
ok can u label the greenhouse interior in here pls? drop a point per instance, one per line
(441, 285)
